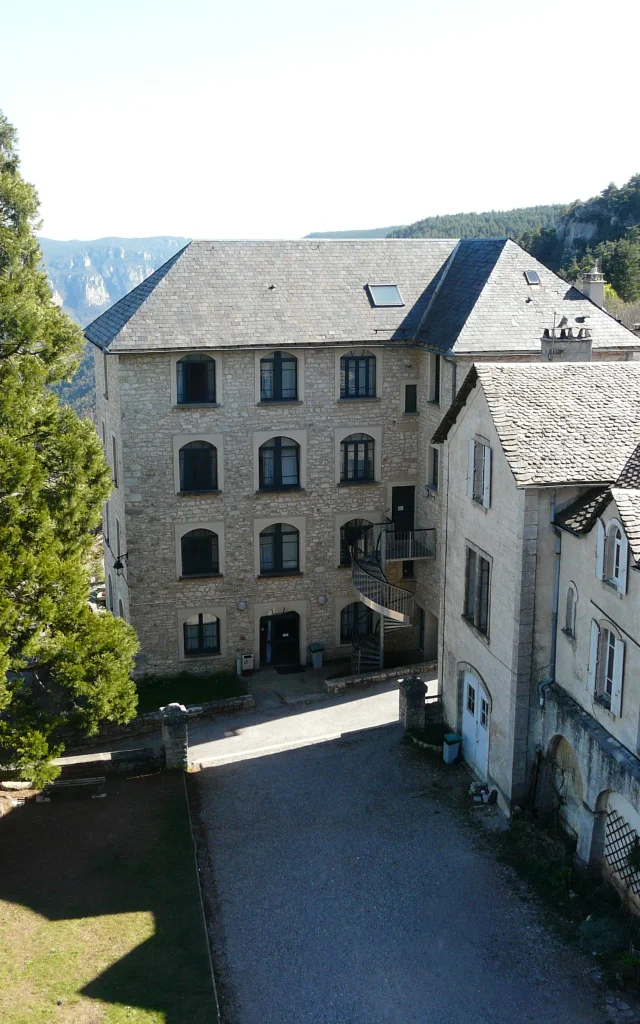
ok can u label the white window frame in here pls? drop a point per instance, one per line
(612, 555)
(605, 639)
(479, 471)
(175, 359)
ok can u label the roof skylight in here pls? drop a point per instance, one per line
(385, 295)
(532, 277)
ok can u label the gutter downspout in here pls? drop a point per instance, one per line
(545, 683)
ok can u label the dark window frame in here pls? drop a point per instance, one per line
(203, 648)
(185, 385)
(358, 376)
(272, 366)
(356, 442)
(477, 591)
(355, 614)
(275, 444)
(278, 531)
(349, 534)
(202, 480)
(410, 403)
(193, 540)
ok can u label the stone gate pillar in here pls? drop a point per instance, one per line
(175, 738)
(412, 702)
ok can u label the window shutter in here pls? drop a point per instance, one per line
(593, 656)
(472, 449)
(624, 550)
(618, 670)
(486, 476)
(600, 550)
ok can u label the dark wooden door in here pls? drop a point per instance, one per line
(403, 507)
(280, 639)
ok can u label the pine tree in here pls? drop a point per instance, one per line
(61, 664)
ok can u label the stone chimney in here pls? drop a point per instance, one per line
(564, 344)
(592, 285)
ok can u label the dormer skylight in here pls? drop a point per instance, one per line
(385, 295)
(532, 277)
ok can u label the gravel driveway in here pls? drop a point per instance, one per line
(348, 890)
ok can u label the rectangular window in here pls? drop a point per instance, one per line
(434, 377)
(477, 591)
(471, 699)
(278, 378)
(479, 472)
(105, 526)
(421, 630)
(105, 375)
(358, 376)
(114, 467)
(118, 548)
(433, 469)
(484, 713)
(385, 295)
(411, 398)
(408, 571)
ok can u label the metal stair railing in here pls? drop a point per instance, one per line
(369, 580)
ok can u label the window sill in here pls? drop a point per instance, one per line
(185, 494)
(279, 573)
(279, 490)
(280, 401)
(570, 635)
(604, 703)
(432, 488)
(474, 629)
(197, 405)
(416, 413)
(201, 656)
(202, 576)
(359, 398)
(613, 585)
(355, 483)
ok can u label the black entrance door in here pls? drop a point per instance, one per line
(403, 501)
(279, 639)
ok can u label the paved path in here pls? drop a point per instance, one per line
(350, 892)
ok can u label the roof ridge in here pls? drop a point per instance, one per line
(128, 305)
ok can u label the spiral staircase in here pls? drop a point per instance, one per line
(372, 551)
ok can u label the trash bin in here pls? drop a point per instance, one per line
(315, 650)
(451, 747)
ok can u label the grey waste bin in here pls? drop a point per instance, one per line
(451, 747)
(315, 650)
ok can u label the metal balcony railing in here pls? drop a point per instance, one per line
(408, 545)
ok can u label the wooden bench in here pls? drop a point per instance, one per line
(66, 785)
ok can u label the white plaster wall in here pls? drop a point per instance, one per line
(598, 600)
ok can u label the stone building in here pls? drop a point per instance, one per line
(267, 409)
(540, 652)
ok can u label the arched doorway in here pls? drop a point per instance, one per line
(562, 790)
(476, 719)
(280, 640)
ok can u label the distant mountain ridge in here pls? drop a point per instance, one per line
(89, 276)
(490, 224)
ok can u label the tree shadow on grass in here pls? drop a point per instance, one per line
(83, 858)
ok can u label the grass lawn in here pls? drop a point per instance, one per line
(187, 689)
(99, 910)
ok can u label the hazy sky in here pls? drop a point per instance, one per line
(273, 119)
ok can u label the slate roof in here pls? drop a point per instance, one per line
(484, 304)
(582, 514)
(466, 297)
(559, 423)
(628, 502)
(274, 294)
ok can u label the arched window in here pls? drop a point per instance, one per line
(196, 380)
(356, 622)
(198, 467)
(570, 611)
(615, 556)
(356, 530)
(278, 377)
(110, 604)
(121, 609)
(199, 550)
(201, 635)
(358, 375)
(279, 549)
(279, 464)
(357, 459)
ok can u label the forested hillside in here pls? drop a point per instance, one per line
(606, 228)
(491, 224)
(88, 277)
